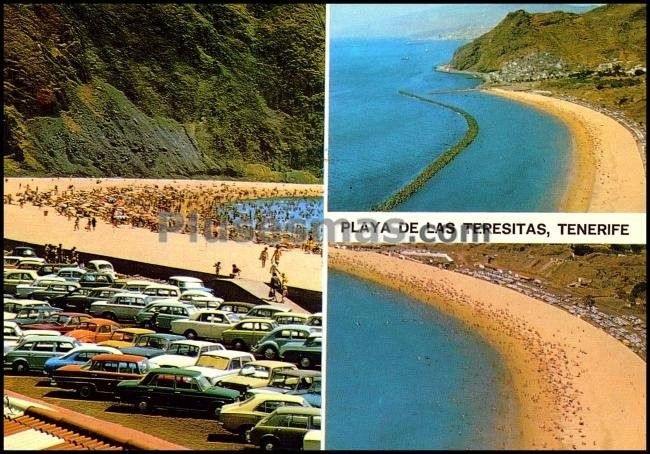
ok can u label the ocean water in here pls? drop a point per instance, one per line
(379, 140)
(401, 375)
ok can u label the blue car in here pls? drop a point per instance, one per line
(79, 355)
(152, 345)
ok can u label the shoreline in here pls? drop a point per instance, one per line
(569, 378)
(606, 171)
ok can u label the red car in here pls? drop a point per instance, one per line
(94, 330)
(62, 322)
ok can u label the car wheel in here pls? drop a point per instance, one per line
(143, 406)
(239, 344)
(86, 391)
(20, 367)
(269, 444)
(269, 353)
(305, 362)
(190, 334)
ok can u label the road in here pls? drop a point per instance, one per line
(177, 427)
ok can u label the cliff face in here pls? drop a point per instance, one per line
(550, 45)
(164, 90)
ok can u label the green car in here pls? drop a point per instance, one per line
(159, 314)
(247, 333)
(33, 351)
(285, 428)
(175, 388)
(306, 354)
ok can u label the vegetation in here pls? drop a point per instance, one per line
(164, 90)
(438, 164)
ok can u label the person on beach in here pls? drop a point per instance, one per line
(236, 272)
(89, 225)
(217, 268)
(263, 256)
(276, 287)
(76, 223)
(275, 258)
(93, 222)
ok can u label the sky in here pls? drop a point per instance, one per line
(385, 20)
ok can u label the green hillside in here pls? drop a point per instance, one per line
(164, 90)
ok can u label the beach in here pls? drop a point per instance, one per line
(30, 224)
(606, 173)
(575, 386)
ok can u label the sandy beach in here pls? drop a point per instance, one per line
(576, 387)
(607, 173)
(29, 224)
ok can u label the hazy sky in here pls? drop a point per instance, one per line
(385, 20)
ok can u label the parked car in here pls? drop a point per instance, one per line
(71, 274)
(247, 332)
(11, 342)
(121, 306)
(33, 264)
(132, 285)
(162, 291)
(14, 277)
(78, 355)
(100, 266)
(296, 382)
(95, 330)
(125, 337)
(255, 374)
(81, 298)
(240, 417)
(183, 353)
(200, 299)
(10, 261)
(290, 318)
(269, 345)
(51, 290)
(171, 309)
(285, 428)
(11, 334)
(13, 306)
(23, 251)
(315, 319)
(60, 321)
(23, 290)
(47, 269)
(95, 280)
(217, 364)
(32, 352)
(101, 374)
(204, 324)
(175, 389)
(188, 283)
(266, 310)
(306, 354)
(236, 307)
(150, 345)
(34, 314)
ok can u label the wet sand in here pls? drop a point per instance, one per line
(29, 224)
(576, 387)
(607, 173)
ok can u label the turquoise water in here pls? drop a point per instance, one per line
(379, 140)
(401, 375)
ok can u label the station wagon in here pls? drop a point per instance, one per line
(34, 314)
(101, 374)
(285, 428)
(176, 389)
(81, 298)
(162, 291)
(188, 283)
(13, 306)
(247, 332)
(22, 290)
(32, 352)
(51, 290)
(122, 306)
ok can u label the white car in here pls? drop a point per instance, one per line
(205, 324)
(201, 299)
(221, 363)
(121, 306)
(188, 283)
(13, 306)
(184, 353)
(11, 340)
(38, 284)
(100, 266)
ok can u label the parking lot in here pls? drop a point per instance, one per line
(176, 427)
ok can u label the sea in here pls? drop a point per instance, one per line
(379, 140)
(402, 375)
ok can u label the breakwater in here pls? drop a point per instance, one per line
(439, 163)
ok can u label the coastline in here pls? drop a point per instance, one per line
(606, 174)
(575, 386)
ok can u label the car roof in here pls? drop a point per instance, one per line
(135, 281)
(122, 293)
(213, 311)
(176, 371)
(270, 395)
(118, 357)
(93, 347)
(270, 363)
(100, 262)
(72, 268)
(165, 336)
(135, 330)
(309, 411)
(165, 286)
(186, 278)
(295, 326)
(101, 321)
(168, 302)
(302, 373)
(227, 353)
(36, 337)
(197, 343)
(256, 319)
(291, 314)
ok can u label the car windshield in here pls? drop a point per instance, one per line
(124, 336)
(256, 371)
(284, 381)
(58, 319)
(203, 382)
(215, 362)
(191, 285)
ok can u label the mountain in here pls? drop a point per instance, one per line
(164, 90)
(573, 41)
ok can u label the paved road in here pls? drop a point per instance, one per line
(176, 427)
